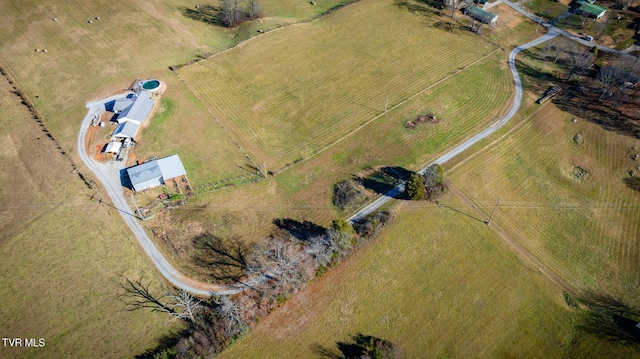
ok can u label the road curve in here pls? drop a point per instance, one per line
(109, 176)
(380, 201)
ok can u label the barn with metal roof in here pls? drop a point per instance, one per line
(155, 173)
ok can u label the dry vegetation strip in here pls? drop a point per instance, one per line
(62, 255)
(585, 226)
(298, 90)
(437, 283)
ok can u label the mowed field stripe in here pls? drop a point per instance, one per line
(291, 99)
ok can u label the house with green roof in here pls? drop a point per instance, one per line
(480, 15)
(591, 9)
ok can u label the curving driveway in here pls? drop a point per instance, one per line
(109, 175)
(380, 201)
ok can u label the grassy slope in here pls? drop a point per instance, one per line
(312, 84)
(304, 192)
(63, 256)
(131, 40)
(588, 231)
(437, 283)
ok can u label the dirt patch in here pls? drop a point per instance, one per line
(576, 172)
(507, 18)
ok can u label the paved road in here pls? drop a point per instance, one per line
(109, 175)
(379, 202)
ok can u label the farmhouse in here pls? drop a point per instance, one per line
(137, 110)
(480, 15)
(127, 129)
(589, 8)
(155, 173)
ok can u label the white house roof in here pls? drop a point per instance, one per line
(167, 168)
(139, 110)
(122, 104)
(126, 129)
(114, 147)
(171, 167)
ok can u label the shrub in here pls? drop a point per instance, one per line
(415, 187)
(346, 195)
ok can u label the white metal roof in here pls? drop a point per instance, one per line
(167, 168)
(171, 167)
(139, 110)
(114, 147)
(126, 129)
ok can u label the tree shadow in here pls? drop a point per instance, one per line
(611, 319)
(165, 343)
(360, 346)
(633, 183)
(301, 230)
(419, 9)
(386, 180)
(585, 104)
(205, 13)
(225, 258)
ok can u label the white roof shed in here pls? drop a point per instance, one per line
(113, 147)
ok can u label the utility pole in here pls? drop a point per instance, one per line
(137, 209)
(494, 209)
(264, 167)
(385, 104)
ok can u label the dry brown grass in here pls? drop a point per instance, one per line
(63, 256)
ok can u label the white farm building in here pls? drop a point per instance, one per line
(132, 112)
(155, 173)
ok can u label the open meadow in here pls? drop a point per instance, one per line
(435, 282)
(63, 255)
(293, 92)
(562, 193)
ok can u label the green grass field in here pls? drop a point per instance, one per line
(586, 227)
(63, 256)
(437, 283)
(293, 92)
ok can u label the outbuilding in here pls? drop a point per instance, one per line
(154, 173)
(591, 9)
(480, 15)
(113, 147)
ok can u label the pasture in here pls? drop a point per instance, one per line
(63, 256)
(435, 282)
(87, 61)
(294, 92)
(465, 103)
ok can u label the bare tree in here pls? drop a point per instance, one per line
(230, 12)
(231, 313)
(451, 5)
(609, 77)
(182, 305)
(282, 260)
(226, 258)
(254, 9)
(321, 249)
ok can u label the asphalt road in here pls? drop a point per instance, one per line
(109, 176)
(380, 201)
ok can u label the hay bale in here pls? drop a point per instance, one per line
(54, 19)
(90, 21)
(97, 17)
(37, 50)
(44, 50)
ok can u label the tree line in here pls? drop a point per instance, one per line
(273, 269)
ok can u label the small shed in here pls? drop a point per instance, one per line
(155, 173)
(480, 15)
(113, 147)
